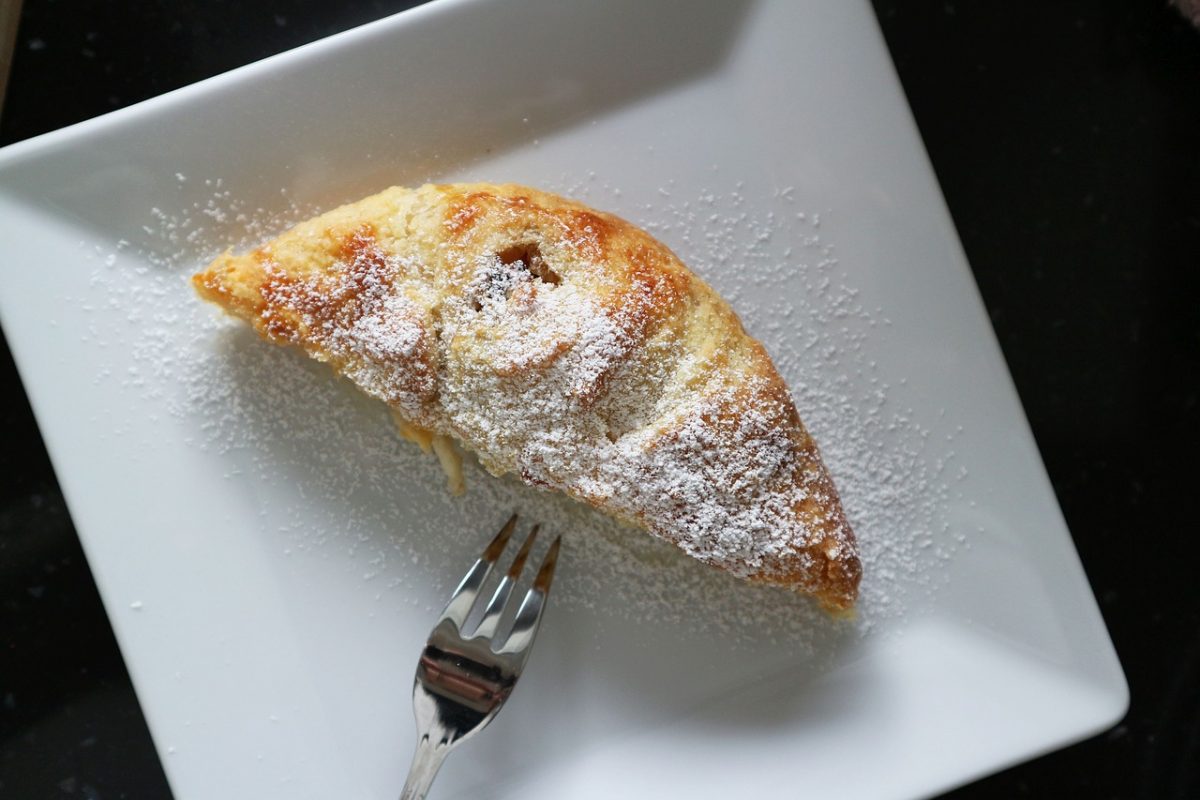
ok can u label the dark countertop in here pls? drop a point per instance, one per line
(1066, 137)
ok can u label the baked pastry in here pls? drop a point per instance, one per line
(566, 346)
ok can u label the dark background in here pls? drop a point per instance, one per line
(1065, 136)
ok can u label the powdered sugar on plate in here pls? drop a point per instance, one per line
(276, 418)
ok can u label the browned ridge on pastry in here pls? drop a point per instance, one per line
(566, 346)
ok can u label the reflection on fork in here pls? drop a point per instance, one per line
(462, 680)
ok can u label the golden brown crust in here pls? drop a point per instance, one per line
(569, 347)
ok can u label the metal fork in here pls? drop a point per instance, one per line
(463, 680)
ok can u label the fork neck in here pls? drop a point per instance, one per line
(425, 764)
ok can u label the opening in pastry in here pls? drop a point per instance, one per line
(530, 257)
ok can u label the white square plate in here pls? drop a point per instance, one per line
(272, 557)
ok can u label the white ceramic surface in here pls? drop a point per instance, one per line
(274, 664)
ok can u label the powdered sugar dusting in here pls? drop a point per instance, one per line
(277, 418)
(361, 319)
(528, 338)
(894, 487)
(728, 486)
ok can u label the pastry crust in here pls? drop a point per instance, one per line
(566, 346)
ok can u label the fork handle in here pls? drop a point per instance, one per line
(427, 760)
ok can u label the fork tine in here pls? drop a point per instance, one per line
(529, 615)
(545, 574)
(463, 599)
(518, 564)
(498, 543)
(495, 607)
